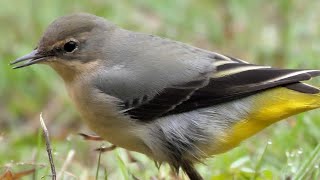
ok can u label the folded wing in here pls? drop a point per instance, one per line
(232, 80)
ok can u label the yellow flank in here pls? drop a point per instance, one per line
(269, 107)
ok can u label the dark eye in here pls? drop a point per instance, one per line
(70, 46)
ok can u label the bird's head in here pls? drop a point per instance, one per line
(71, 43)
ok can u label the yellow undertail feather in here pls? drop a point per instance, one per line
(269, 107)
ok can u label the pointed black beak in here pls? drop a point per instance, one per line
(31, 58)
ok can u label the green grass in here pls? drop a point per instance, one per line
(280, 33)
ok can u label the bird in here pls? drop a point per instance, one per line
(175, 103)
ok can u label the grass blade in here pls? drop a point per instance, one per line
(308, 164)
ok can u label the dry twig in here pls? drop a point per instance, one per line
(49, 149)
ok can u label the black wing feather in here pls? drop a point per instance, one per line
(166, 101)
(231, 86)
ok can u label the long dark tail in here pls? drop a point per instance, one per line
(192, 173)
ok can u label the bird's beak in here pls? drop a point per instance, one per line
(31, 58)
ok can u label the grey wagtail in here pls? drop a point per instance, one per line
(171, 101)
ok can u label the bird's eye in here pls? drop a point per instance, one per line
(70, 46)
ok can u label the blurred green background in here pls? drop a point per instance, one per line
(281, 33)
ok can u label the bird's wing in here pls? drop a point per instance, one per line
(232, 80)
(164, 102)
